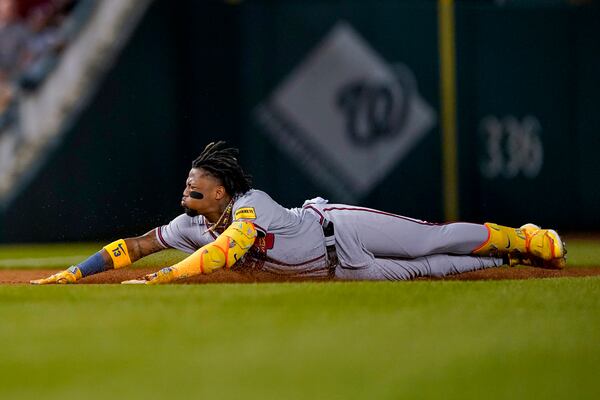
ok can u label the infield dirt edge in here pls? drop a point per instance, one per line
(23, 276)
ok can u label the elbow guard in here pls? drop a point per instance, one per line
(225, 251)
(236, 241)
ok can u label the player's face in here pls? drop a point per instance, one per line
(211, 189)
(7, 10)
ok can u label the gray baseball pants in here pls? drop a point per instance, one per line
(375, 245)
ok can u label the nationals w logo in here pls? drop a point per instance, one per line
(375, 109)
(344, 102)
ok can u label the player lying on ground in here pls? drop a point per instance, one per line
(228, 224)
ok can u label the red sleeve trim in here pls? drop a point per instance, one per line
(160, 237)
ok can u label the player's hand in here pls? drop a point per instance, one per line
(165, 275)
(71, 275)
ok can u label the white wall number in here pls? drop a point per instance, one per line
(511, 147)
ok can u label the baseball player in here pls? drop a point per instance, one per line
(227, 224)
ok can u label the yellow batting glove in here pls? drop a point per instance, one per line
(71, 275)
(165, 275)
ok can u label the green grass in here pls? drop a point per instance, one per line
(583, 252)
(500, 339)
(376, 340)
(62, 255)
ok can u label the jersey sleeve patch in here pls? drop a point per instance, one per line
(245, 213)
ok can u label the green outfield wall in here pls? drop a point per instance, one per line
(337, 99)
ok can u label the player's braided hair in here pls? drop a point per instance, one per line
(221, 162)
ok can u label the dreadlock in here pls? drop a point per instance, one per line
(221, 163)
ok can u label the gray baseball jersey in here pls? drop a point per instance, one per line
(370, 244)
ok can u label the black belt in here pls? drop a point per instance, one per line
(332, 258)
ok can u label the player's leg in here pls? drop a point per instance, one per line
(436, 265)
(386, 234)
(390, 235)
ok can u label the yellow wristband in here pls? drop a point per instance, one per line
(117, 250)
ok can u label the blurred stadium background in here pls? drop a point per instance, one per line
(103, 104)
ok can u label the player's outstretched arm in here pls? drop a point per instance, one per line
(225, 251)
(118, 254)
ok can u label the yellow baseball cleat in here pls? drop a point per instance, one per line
(502, 240)
(516, 258)
(543, 249)
(527, 245)
(543, 243)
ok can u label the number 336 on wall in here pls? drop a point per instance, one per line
(511, 147)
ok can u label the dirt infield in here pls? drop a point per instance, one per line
(24, 276)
